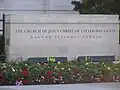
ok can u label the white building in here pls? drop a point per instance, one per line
(36, 6)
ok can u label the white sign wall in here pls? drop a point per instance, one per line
(57, 35)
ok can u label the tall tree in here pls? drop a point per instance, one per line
(97, 6)
(117, 6)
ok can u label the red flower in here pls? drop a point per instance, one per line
(25, 82)
(25, 72)
(49, 74)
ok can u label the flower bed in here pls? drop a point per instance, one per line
(25, 73)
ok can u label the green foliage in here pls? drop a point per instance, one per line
(97, 6)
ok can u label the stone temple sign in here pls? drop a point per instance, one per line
(43, 28)
(61, 35)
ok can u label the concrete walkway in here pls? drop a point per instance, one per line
(92, 86)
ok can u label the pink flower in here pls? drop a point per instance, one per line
(19, 82)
